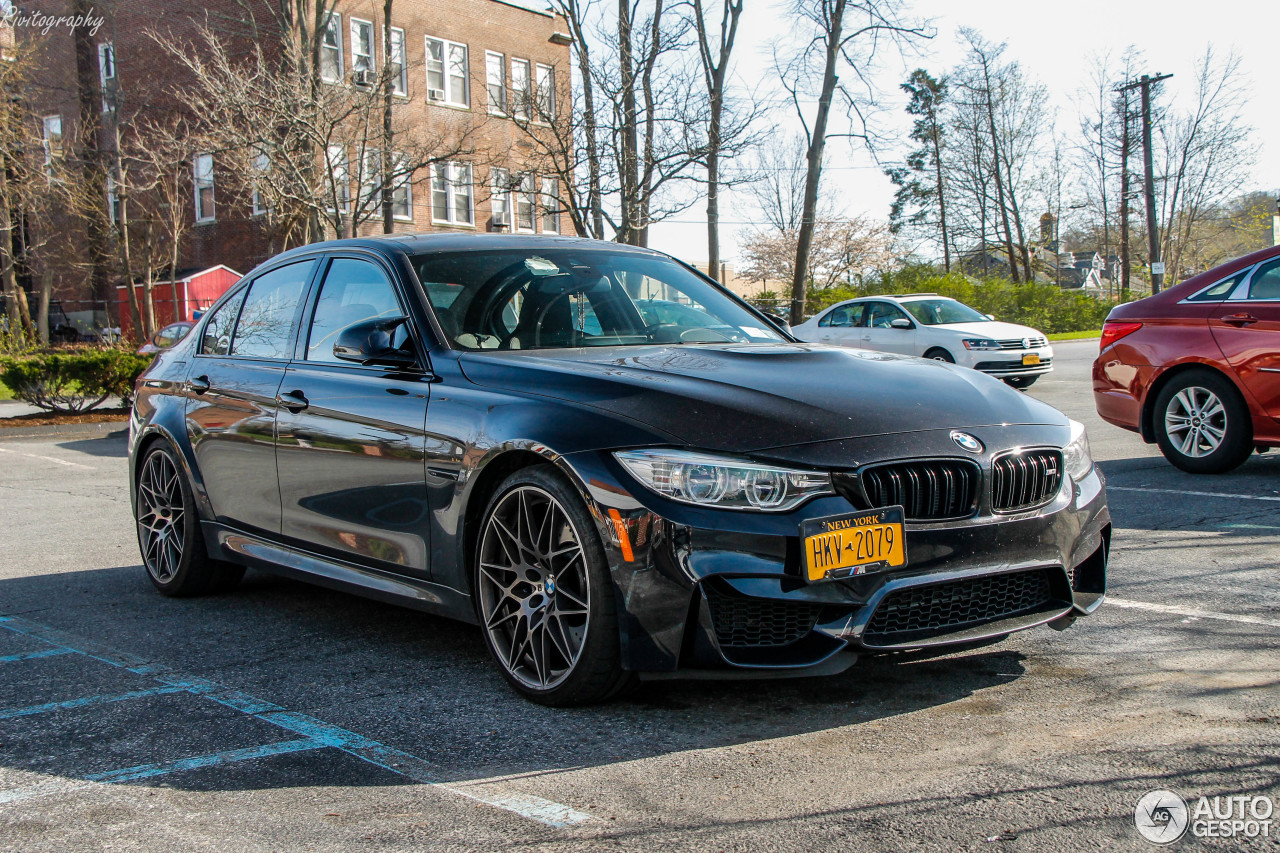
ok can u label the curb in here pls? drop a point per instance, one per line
(109, 429)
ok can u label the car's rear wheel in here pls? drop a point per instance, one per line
(173, 549)
(1020, 381)
(939, 354)
(1202, 423)
(544, 595)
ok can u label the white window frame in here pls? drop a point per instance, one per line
(405, 187)
(500, 198)
(454, 175)
(332, 23)
(202, 178)
(51, 152)
(363, 61)
(544, 92)
(261, 164)
(498, 102)
(550, 192)
(400, 81)
(445, 67)
(521, 98)
(525, 196)
(107, 74)
(339, 165)
(370, 186)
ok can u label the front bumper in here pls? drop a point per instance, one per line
(1002, 363)
(702, 595)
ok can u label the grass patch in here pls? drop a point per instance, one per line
(5, 393)
(1075, 336)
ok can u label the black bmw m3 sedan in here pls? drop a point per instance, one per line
(506, 431)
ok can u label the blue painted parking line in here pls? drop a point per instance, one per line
(316, 734)
(41, 653)
(71, 704)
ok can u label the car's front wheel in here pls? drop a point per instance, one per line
(1202, 423)
(544, 595)
(1021, 381)
(939, 354)
(169, 536)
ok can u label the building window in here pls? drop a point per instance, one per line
(362, 70)
(399, 72)
(113, 199)
(551, 205)
(526, 204)
(447, 72)
(51, 138)
(331, 49)
(546, 80)
(340, 173)
(400, 179)
(520, 93)
(107, 75)
(451, 193)
(500, 197)
(202, 172)
(261, 165)
(495, 71)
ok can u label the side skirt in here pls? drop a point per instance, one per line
(239, 547)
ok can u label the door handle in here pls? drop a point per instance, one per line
(199, 384)
(1240, 319)
(294, 401)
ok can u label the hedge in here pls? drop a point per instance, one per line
(1044, 307)
(72, 380)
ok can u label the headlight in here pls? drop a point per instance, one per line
(1075, 456)
(980, 343)
(715, 481)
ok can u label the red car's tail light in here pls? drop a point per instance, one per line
(1112, 332)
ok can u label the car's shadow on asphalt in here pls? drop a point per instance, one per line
(112, 445)
(418, 683)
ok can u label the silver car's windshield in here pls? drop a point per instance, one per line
(555, 298)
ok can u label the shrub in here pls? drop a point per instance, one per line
(72, 380)
(1044, 307)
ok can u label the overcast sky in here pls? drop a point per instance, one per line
(1052, 42)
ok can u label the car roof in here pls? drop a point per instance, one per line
(895, 297)
(454, 241)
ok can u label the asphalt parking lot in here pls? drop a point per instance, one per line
(286, 717)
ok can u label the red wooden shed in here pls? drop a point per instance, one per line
(176, 300)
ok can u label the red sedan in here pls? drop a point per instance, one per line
(1196, 368)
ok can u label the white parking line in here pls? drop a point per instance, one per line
(47, 459)
(1178, 610)
(1275, 498)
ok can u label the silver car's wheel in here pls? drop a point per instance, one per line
(535, 592)
(1195, 421)
(162, 517)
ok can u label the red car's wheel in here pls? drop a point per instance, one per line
(1202, 423)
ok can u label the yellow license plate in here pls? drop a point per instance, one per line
(1031, 358)
(843, 546)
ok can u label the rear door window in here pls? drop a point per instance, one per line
(1265, 284)
(265, 329)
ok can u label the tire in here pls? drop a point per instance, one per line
(169, 536)
(1202, 423)
(939, 354)
(544, 595)
(1020, 381)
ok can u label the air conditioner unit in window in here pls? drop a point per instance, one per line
(362, 77)
(500, 220)
(435, 94)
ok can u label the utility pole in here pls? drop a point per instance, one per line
(1153, 238)
(1124, 197)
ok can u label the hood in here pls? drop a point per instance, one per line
(746, 397)
(990, 329)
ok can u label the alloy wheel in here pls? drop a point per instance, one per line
(1196, 421)
(535, 598)
(161, 516)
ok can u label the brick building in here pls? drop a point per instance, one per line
(481, 67)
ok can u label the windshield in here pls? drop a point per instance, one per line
(934, 312)
(553, 298)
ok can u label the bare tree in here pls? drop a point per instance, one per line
(842, 250)
(778, 170)
(1205, 156)
(836, 36)
(18, 181)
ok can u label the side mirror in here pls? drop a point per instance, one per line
(989, 316)
(369, 343)
(900, 323)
